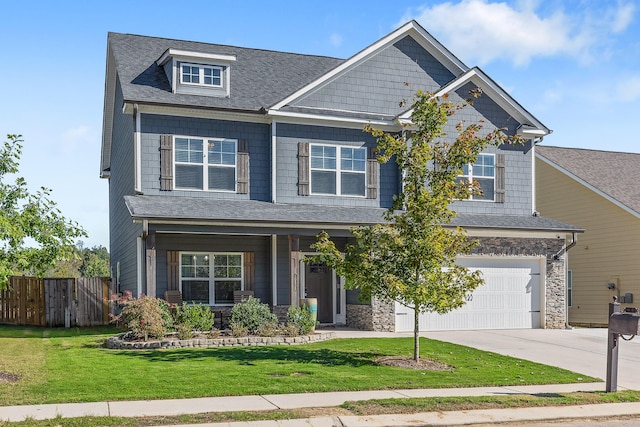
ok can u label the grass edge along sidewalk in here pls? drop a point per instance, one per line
(53, 366)
(575, 405)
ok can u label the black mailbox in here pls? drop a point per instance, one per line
(624, 324)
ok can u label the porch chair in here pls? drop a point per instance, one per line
(241, 296)
(173, 297)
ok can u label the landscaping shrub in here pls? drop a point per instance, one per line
(184, 331)
(301, 318)
(269, 329)
(145, 317)
(251, 314)
(238, 330)
(198, 317)
(290, 330)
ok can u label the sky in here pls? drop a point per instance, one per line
(574, 64)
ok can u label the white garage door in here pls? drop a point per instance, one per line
(509, 299)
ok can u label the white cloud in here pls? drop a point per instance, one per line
(628, 90)
(75, 136)
(480, 31)
(335, 39)
(622, 17)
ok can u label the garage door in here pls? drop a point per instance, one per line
(509, 299)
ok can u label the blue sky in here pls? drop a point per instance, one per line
(573, 64)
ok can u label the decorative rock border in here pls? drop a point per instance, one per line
(118, 343)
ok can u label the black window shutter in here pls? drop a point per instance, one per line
(500, 179)
(303, 168)
(166, 162)
(243, 167)
(372, 174)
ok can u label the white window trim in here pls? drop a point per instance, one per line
(569, 288)
(212, 278)
(471, 177)
(205, 164)
(337, 170)
(201, 74)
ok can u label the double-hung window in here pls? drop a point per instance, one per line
(483, 171)
(210, 278)
(338, 171)
(202, 75)
(205, 164)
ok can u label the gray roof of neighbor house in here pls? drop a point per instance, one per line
(199, 209)
(608, 172)
(260, 77)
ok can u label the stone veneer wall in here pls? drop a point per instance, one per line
(380, 315)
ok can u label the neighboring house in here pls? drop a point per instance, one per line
(596, 190)
(225, 162)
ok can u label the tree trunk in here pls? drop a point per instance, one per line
(416, 334)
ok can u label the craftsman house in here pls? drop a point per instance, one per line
(596, 190)
(225, 162)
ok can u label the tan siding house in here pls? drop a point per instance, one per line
(595, 191)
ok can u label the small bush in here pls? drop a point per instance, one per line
(213, 333)
(251, 314)
(290, 330)
(238, 330)
(184, 331)
(269, 329)
(302, 319)
(198, 317)
(145, 317)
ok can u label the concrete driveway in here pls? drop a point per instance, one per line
(580, 350)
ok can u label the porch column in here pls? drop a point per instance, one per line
(294, 267)
(151, 264)
(274, 269)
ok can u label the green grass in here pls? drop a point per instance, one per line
(72, 366)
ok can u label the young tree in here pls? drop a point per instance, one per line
(411, 258)
(33, 232)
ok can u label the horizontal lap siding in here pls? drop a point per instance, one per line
(609, 247)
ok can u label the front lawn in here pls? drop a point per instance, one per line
(58, 365)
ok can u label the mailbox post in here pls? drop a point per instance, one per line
(612, 351)
(620, 324)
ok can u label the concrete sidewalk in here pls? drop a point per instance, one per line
(259, 403)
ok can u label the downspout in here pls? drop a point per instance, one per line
(274, 135)
(534, 210)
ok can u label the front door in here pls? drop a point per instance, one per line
(318, 284)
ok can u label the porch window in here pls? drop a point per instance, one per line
(210, 278)
(483, 171)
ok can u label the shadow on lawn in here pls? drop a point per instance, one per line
(251, 355)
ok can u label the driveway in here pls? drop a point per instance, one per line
(580, 350)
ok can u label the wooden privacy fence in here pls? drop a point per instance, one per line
(55, 302)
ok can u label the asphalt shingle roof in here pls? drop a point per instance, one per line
(259, 78)
(251, 211)
(612, 173)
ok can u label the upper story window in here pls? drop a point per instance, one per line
(201, 75)
(338, 171)
(205, 163)
(483, 171)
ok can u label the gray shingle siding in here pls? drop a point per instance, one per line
(380, 83)
(122, 230)
(518, 160)
(258, 137)
(288, 137)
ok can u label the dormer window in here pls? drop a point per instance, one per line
(198, 73)
(204, 75)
